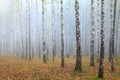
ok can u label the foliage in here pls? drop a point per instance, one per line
(14, 68)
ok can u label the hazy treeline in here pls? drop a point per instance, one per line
(15, 40)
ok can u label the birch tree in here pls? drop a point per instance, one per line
(43, 33)
(78, 66)
(92, 63)
(98, 28)
(101, 63)
(62, 36)
(112, 35)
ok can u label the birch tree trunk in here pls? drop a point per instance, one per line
(111, 28)
(98, 28)
(62, 36)
(78, 66)
(112, 35)
(92, 63)
(101, 64)
(43, 33)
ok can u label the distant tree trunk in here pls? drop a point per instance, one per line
(62, 36)
(47, 54)
(101, 64)
(21, 30)
(68, 33)
(117, 36)
(43, 34)
(112, 35)
(26, 50)
(38, 29)
(98, 28)
(118, 33)
(26, 45)
(78, 66)
(16, 44)
(26, 29)
(44, 58)
(111, 29)
(30, 54)
(92, 63)
(117, 42)
(32, 50)
(53, 30)
(23, 53)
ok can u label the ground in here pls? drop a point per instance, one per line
(14, 68)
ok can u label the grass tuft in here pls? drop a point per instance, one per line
(74, 74)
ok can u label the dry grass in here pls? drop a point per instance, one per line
(14, 68)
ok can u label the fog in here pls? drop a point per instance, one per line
(14, 25)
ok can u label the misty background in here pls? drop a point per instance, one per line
(14, 26)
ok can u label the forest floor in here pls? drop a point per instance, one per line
(14, 68)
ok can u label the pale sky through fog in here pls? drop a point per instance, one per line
(6, 15)
(4, 8)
